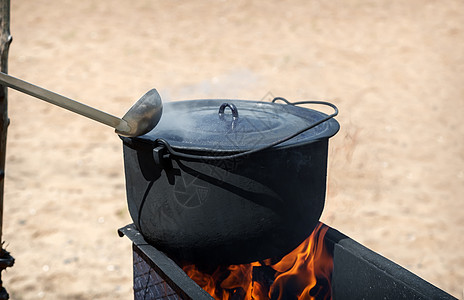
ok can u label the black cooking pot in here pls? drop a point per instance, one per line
(229, 181)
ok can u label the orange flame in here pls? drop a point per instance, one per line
(296, 275)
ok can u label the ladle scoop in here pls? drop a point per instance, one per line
(139, 119)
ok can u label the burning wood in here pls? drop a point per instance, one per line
(304, 273)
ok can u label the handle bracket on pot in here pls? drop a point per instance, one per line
(160, 155)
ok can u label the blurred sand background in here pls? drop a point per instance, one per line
(396, 168)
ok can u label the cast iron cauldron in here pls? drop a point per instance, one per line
(229, 181)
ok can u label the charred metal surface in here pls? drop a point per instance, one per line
(162, 267)
(360, 273)
(147, 283)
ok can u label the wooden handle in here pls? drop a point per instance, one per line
(63, 102)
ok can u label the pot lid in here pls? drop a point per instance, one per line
(236, 125)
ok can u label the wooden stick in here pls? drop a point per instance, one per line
(5, 41)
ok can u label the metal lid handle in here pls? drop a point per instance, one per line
(232, 107)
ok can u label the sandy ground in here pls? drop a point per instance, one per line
(396, 168)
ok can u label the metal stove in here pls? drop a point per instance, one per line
(358, 273)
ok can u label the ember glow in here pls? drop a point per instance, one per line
(305, 273)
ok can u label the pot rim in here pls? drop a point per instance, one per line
(325, 130)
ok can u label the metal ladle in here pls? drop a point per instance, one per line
(139, 119)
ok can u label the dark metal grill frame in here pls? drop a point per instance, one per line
(359, 273)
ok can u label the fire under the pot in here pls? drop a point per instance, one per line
(328, 265)
(304, 273)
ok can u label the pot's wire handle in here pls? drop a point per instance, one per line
(163, 142)
(311, 102)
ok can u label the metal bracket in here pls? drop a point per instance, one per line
(160, 155)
